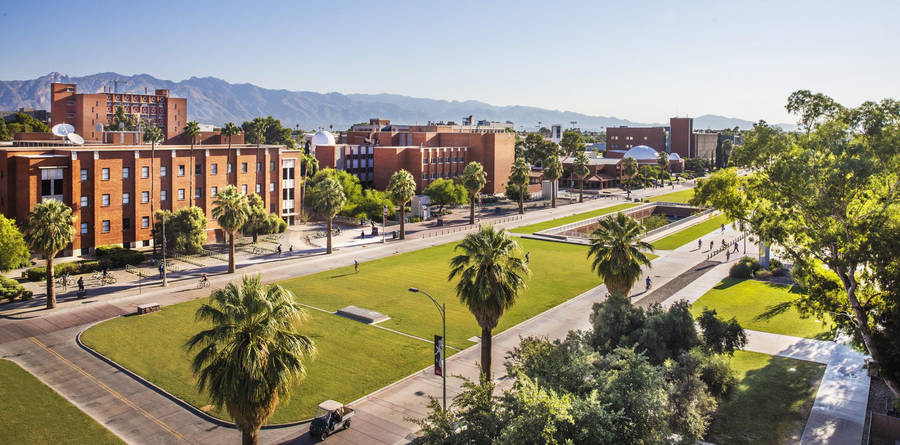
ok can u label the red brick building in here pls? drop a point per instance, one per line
(375, 151)
(679, 137)
(85, 110)
(109, 187)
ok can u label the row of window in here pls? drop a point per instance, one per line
(163, 170)
(446, 160)
(164, 195)
(126, 225)
(444, 175)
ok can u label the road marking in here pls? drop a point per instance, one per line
(108, 389)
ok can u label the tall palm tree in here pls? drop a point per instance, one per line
(402, 188)
(663, 161)
(553, 170)
(328, 198)
(231, 210)
(308, 165)
(192, 129)
(581, 170)
(49, 229)
(629, 169)
(153, 135)
(473, 179)
(259, 125)
(491, 274)
(618, 252)
(229, 130)
(253, 355)
(520, 175)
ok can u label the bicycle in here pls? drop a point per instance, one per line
(65, 281)
(202, 283)
(109, 279)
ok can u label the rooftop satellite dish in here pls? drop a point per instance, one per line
(75, 139)
(62, 130)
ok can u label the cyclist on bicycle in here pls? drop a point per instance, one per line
(648, 283)
(204, 278)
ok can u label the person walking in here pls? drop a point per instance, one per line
(699, 243)
(356, 266)
(711, 244)
(527, 257)
(291, 250)
(278, 250)
(727, 255)
(723, 228)
(160, 271)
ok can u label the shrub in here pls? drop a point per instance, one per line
(72, 268)
(763, 274)
(489, 199)
(654, 222)
(775, 264)
(414, 219)
(27, 295)
(118, 256)
(745, 268)
(36, 274)
(10, 289)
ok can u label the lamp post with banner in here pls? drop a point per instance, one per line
(440, 344)
(383, 223)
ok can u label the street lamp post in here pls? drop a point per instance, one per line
(442, 309)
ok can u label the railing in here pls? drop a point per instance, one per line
(721, 249)
(466, 227)
(678, 223)
(255, 249)
(134, 270)
(187, 259)
(584, 222)
(211, 254)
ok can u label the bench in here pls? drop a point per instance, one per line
(147, 308)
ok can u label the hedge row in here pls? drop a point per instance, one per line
(11, 289)
(72, 268)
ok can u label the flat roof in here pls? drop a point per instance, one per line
(110, 147)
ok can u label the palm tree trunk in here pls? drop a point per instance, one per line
(233, 164)
(402, 221)
(553, 194)
(231, 266)
(249, 437)
(486, 352)
(330, 219)
(472, 211)
(152, 192)
(51, 291)
(191, 174)
(522, 190)
(581, 191)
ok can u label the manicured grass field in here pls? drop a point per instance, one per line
(559, 272)
(680, 196)
(532, 228)
(32, 413)
(763, 307)
(771, 402)
(353, 358)
(690, 234)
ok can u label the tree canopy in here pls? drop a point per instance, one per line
(13, 250)
(273, 132)
(446, 192)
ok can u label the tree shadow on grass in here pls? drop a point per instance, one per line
(728, 282)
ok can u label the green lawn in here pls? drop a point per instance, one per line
(680, 196)
(353, 358)
(532, 228)
(691, 233)
(559, 272)
(33, 413)
(763, 307)
(771, 402)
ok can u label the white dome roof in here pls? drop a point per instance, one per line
(641, 153)
(322, 138)
(674, 157)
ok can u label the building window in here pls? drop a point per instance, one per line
(197, 193)
(145, 222)
(258, 188)
(258, 167)
(126, 198)
(84, 228)
(272, 166)
(126, 172)
(163, 195)
(126, 223)
(104, 174)
(105, 226)
(145, 197)
(84, 174)
(244, 189)
(213, 169)
(84, 201)
(434, 160)
(181, 194)
(213, 191)
(271, 186)
(243, 167)
(425, 161)
(104, 201)
(181, 170)
(198, 170)
(145, 172)
(229, 168)
(163, 171)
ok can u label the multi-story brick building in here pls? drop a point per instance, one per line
(85, 111)
(374, 151)
(679, 137)
(109, 187)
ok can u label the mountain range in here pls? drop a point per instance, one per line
(215, 101)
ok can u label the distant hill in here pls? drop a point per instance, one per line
(212, 100)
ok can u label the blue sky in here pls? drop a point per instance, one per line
(644, 61)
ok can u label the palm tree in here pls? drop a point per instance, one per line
(581, 170)
(308, 165)
(229, 130)
(663, 161)
(618, 253)
(153, 135)
(49, 229)
(259, 126)
(328, 198)
(253, 355)
(192, 129)
(231, 210)
(473, 179)
(402, 188)
(629, 169)
(553, 170)
(491, 274)
(520, 175)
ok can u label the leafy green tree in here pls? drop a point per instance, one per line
(491, 274)
(472, 418)
(231, 211)
(308, 166)
(629, 169)
(721, 337)
(49, 229)
(473, 179)
(192, 130)
(828, 199)
(581, 170)
(520, 175)
(553, 170)
(617, 252)
(272, 132)
(402, 189)
(259, 220)
(185, 229)
(446, 192)
(327, 200)
(5, 135)
(536, 149)
(13, 250)
(348, 181)
(229, 131)
(571, 144)
(253, 355)
(122, 121)
(255, 132)
(515, 192)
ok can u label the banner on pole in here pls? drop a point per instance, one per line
(438, 355)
